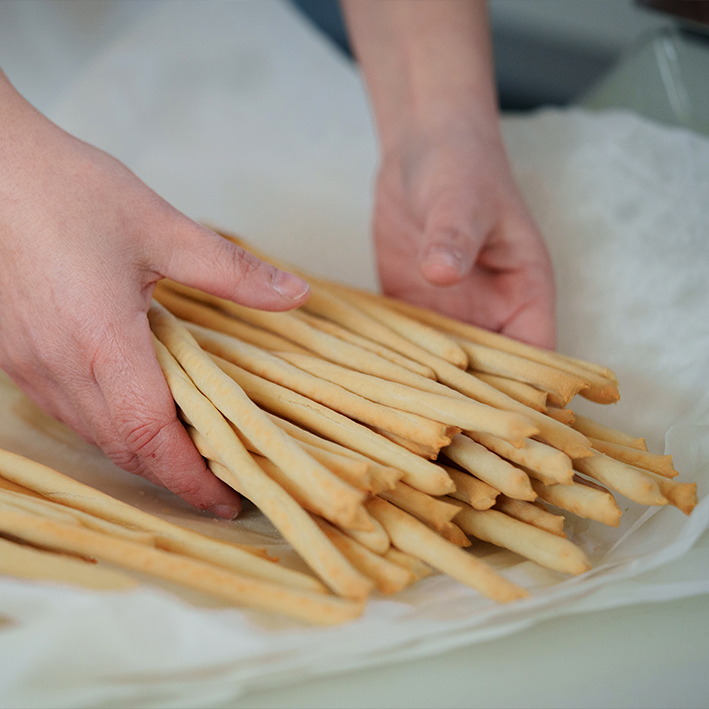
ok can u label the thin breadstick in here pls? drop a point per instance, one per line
(622, 478)
(543, 547)
(566, 416)
(465, 413)
(430, 433)
(26, 562)
(20, 503)
(387, 576)
(197, 312)
(171, 537)
(420, 449)
(582, 500)
(363, 342)
(532, 514)
(418, 568)
(490, 468)
(417, 472)
(524, 393)
(504, 364)
(541, 476)
(593, 429)
(469, 489)
(287, 516)
(341, 501)
(683, 496)
(415, 538)
(290, 327)
(434, 512)
(452, 533)
(376, 540)
(537, 456)
(396, 331)
(242, 590)
(10, 486)
(583, 364)
(660, 464)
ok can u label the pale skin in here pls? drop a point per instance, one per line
(83, 241)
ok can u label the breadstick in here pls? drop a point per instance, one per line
(67, 491)
(434, 512)
(469, 489)
(531, 514)
(376, 540)
(465, 413)
(592, 428)
(544, 548)
(504, 364)
(490, 468)
(242, 590)
(195, 311)
(420, 449)
(524, 393)
(566, 416)
(660, 464)
(415, 538)
(417, 472)
(287, 516)
(582, 500)
(426, 431)
(452, 533)
(683, 496)
(418, 568)
(536, 456)
(622, 478)
(26, 562)
(365, 343)
(341, 500)
(387, 576)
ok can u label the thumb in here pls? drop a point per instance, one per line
(200, 258)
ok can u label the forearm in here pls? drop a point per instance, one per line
(427, 63)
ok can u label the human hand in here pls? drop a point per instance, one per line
(82, 244)
(453, 234)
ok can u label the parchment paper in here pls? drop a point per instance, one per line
(240, 113)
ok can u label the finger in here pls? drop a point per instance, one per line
(202, 259)
(139, 429)
(534, 322)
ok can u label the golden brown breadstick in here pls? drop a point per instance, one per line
(592, 428)
(469, 489)
(242, 590)
(660, 464)
(490, 468)
(415, 538)
(546, 549)
(418, 568)
(622, 478)
(434, 512)
(452, 533)
(683, 496)
(465, 413)
(566, 416)
(582, 500)
(552, 463)
(420, 449)
(531, 513)
(524, 393)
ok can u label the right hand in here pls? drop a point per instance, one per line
(82, 243)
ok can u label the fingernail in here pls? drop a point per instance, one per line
(288, 285)
(443, 256)
(224, 511)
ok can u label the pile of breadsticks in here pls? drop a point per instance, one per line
(376, 436)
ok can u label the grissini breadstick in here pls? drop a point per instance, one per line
(490, 468)
(452, 533)
(387, 576)
(242, 590)
(582, 500)
(198, 312)
(341, 500)
(622, 478)
(469, 489)
(291, 520)
(592, 428)
(537, 456)
(363, 342)
(565, 416)
(171, 537)
(465, 413)
(417, 472)
(504, 364)
(543, 547)
(524, 393)
(257, 361)
(434, 512)
(683, 496)
(418, 568)
(415, 538)
(420, 449)
(660, 464)
(26, 562)
(10, 486)
(532, 514)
